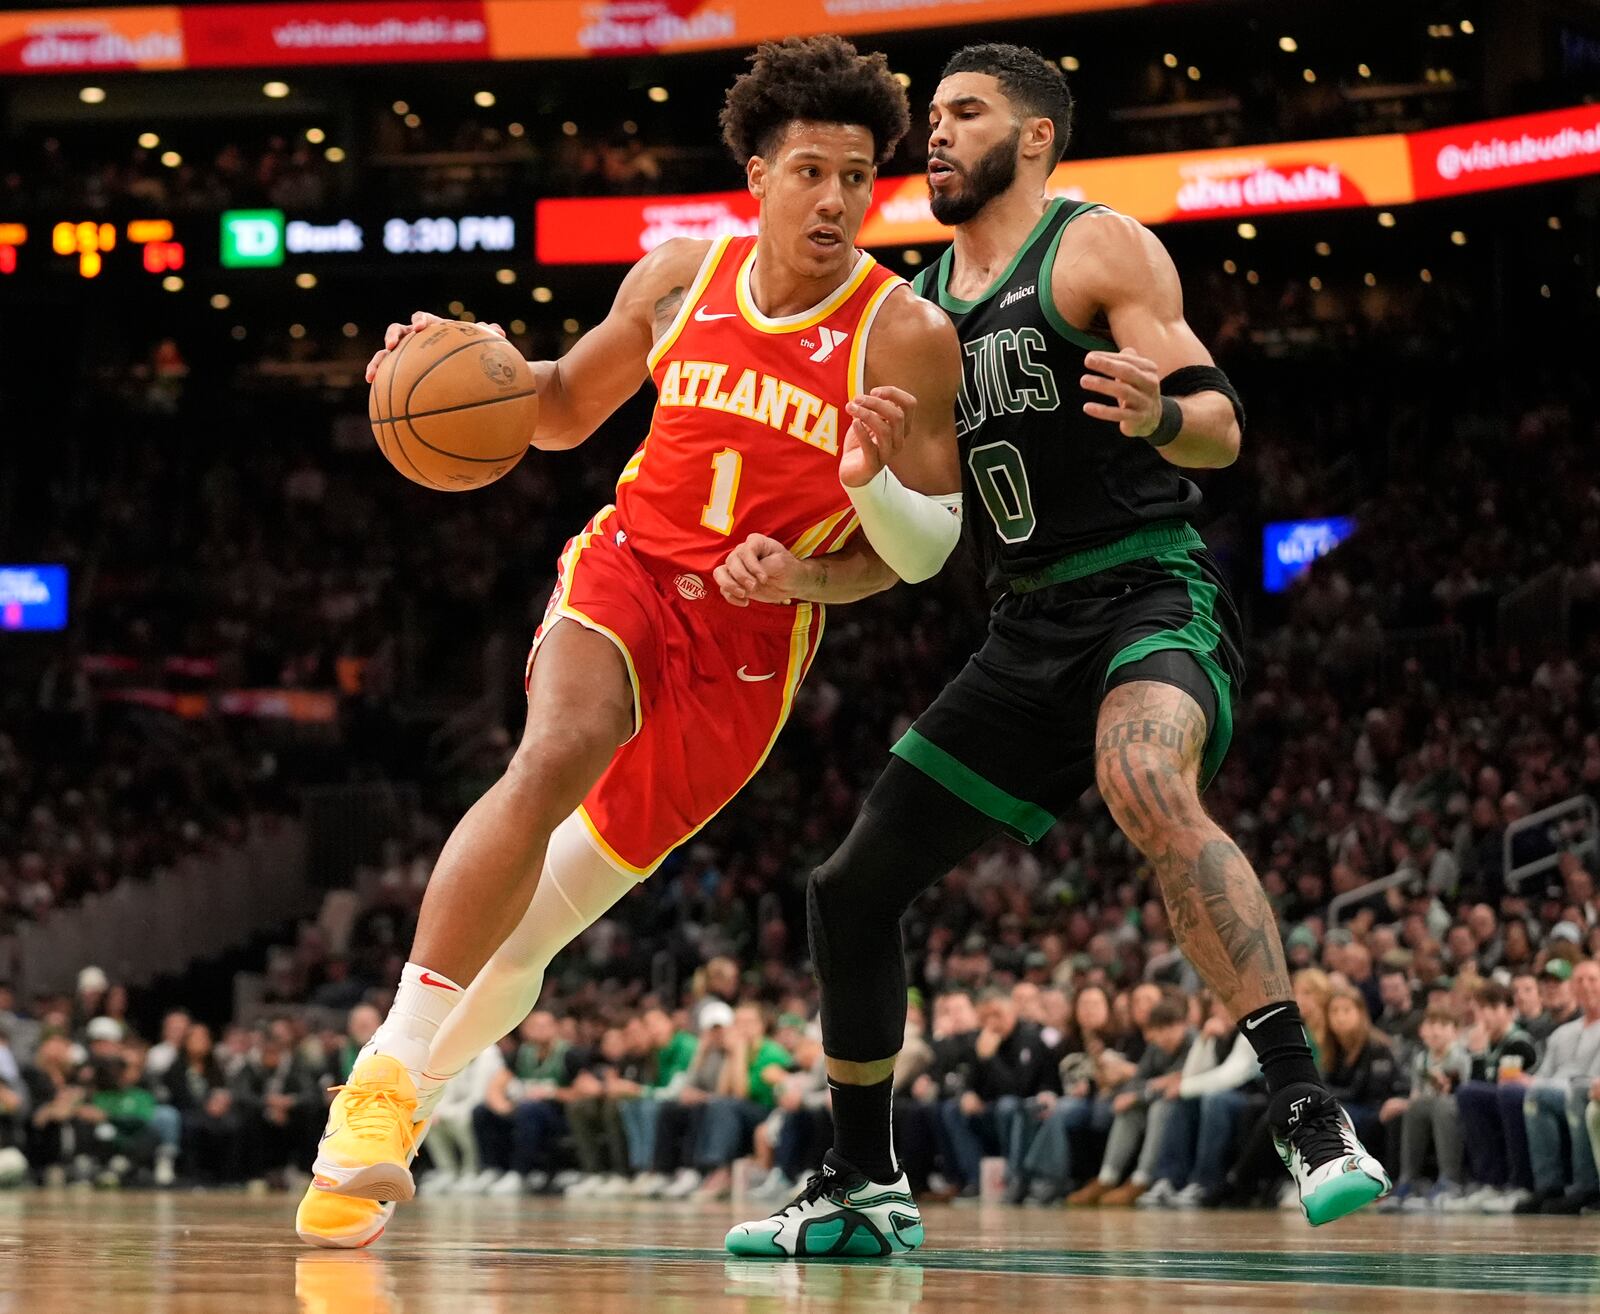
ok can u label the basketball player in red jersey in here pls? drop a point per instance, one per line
(804, 434)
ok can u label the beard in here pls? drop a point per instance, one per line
(994, 172)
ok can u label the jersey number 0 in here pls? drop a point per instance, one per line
(1003, 484)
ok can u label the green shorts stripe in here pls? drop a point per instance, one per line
(1027, 820)
(1200, 637)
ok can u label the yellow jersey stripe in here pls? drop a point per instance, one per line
(808, 542)
(858, 349)
(708, 267)
(761, 323)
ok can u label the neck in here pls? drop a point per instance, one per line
(779, 290)
(989, 240)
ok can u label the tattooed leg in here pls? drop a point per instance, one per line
(1148, 747)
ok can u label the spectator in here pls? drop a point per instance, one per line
(1083, 1111)
(452, 1142)
(522, 1116)
(1557, 1101)
(1141, 1111)
(683, 1110)
(1429, 1116)
(800, 1129)
(280, 1107)
(1490, 1103)
(174, 1027)
(13, 1094)
(596, 1119)
(1362, 1072)
(1399, 1017)
(668, 1054)
(755, 1065)
(1007, 1069)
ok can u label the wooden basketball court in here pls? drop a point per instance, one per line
(68, 1251)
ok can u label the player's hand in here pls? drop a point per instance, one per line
(880, 420)
(761, 569)
(1132, 382)
(395, 334)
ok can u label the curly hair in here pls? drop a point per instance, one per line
(822, 79)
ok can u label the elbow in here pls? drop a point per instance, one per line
(1228, 452)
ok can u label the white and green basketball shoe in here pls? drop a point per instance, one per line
(840, 1214)
(1318, 1145)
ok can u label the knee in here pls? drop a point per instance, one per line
(1147, 790)
(550, 765)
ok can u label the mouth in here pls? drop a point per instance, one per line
(825, 240)
(940, 172)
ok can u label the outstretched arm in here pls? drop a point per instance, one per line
(1119, 265)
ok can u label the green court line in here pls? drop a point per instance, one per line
(1528, 1273)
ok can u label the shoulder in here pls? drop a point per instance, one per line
(911, 334)
(1107, 252)
(673, 264)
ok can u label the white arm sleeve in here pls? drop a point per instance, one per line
(913, 532)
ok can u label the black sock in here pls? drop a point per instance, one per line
(862, 1130)
(1278, 1033)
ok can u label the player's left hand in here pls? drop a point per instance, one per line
(761, 569)
(879, 422)
(1133, 382)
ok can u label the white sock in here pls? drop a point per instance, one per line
(423, 1001)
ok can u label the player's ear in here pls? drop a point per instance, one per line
(755, 177)
(1038, 138)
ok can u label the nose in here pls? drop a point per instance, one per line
(939, 133)
(830, 201)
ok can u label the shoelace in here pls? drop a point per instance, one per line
(371, 1114)
(1320, 1139)
(817, 1186)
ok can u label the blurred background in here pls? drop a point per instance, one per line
(249, 676)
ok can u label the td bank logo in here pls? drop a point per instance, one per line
(252, 238)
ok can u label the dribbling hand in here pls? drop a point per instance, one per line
(395, 334)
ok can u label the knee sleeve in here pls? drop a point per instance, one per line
(575, 890)
(911, 831)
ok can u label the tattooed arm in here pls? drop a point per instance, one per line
(608, 363)
(1150, 740)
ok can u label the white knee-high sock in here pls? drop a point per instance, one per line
(575, 889)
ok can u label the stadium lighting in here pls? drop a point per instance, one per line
(1364, 69)
(171, 159)
(334, 155)
(1316, 283)
(1322, 249)
(904, 79)
(1288, 45)
(238, 332)
(297, 331)
(1070, 63)
(505, 276)
(658, 94)
(569, 129)
(456, 307)
(1467, 28)
(306, 281)
(1544, 290)
(1194, 73)
(275, 90)
(401, 108)
(543, 295)
(1309, 74)
(1247, 230)
(911, 256)
(1385, 219)
(350, 330)
(1229, 267)
(413, 120)
(172, 283)
(1553, 223)
(149, 140)
(1458, 238)
(518, 326)
(1427, 275)
(483, 99)
(316, 136)
(630, 127)
(92, 95)
(1170, 60)
(1371, 280)
(221, 301)
(516, 129)
(1251, 277)
(570, 326)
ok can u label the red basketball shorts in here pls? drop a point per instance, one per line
(712, 687)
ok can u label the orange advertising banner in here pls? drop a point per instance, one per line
(86, 40)
(554, 29)
(1157, 189)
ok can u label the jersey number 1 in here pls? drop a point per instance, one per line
(725, 468)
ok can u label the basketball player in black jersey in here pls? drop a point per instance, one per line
(1113, 656)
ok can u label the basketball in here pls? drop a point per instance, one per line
(453, 407)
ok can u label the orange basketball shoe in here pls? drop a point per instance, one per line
(367, 1148)
(340, 1222)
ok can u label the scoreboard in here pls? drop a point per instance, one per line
(159, 250)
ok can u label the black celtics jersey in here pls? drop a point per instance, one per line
(1051, 480)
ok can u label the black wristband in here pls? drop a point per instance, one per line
(1171, 424)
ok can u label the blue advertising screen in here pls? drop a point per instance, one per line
(1288, 547)
(33, 597)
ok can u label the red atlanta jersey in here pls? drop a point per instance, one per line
(749, 422)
